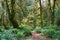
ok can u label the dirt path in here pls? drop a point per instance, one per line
(42, 37)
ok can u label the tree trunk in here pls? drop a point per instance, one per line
(52, 14)
(14, 22)
(12, 13)
(41, 13)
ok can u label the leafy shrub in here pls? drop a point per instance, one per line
(57, 35)
(49, 31)
(27, 29)
(20, 34)
(7, 35)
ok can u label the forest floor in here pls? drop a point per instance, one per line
(42, 37)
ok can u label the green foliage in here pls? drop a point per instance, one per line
(57, 12)
(7, 35)
(24, 30)
(58, 34)
(28, 15)
(1, 28)
(20, 34)
(27, 29)
(50, 31)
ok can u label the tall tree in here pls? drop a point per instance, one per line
(52, 14)
(3, 14)
(41, 13)
(12, 13)
(49, 5)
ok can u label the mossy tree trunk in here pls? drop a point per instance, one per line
(53, 13)
(12, 13)
(41, 14)
(49, 6)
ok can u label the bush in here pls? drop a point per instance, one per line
(49, 31)
(7, 35)
(20, 34)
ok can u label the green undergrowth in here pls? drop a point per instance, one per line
(25, 30)
(50, 31)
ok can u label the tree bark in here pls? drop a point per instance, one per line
(12, 13)
(41, 13)
(52, 15)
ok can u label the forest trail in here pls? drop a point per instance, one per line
(42, 37)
